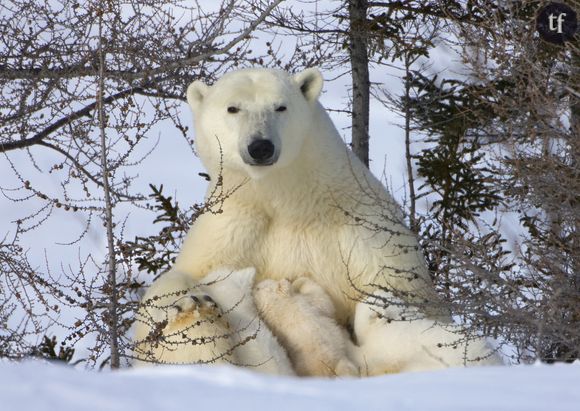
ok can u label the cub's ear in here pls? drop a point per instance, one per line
(196, 93)
(310, 82)
(245, 278)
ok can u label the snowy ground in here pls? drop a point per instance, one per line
(37, 386)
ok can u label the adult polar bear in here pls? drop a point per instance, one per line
(296, 201)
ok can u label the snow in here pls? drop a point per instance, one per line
(41, 386)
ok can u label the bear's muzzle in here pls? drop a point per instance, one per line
(262, 152)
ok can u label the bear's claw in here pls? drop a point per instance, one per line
(210, 302)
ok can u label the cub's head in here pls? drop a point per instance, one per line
(253, 120)
(269, 293)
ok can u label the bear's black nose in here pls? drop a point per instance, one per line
(261, 150)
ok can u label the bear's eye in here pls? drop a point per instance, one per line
(233, 110)
(281, 108)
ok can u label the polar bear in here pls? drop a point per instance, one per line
(213, 321)
(395, 337)
(288, 197)
(301, 316)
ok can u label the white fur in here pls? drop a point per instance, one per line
(256, 346)
(290, 218)
(248, 341)
(317, 210)
(301, 315)
(393, 337)
(173, 329)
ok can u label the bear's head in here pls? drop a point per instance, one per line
(253, 120)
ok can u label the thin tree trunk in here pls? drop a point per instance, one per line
(111, 317)
(575, 154)
(359, 60)
(410, 179)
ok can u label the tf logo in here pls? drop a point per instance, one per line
(557, 23)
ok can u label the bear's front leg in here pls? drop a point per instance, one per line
(230, 238)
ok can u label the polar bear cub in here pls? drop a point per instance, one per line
(214, 321)
(256, 346)
(301, 315)
(394, 337)
(184, 326)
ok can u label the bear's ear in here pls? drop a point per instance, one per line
(196, 93)
(310, 82)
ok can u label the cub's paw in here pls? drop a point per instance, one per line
(193, 309)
